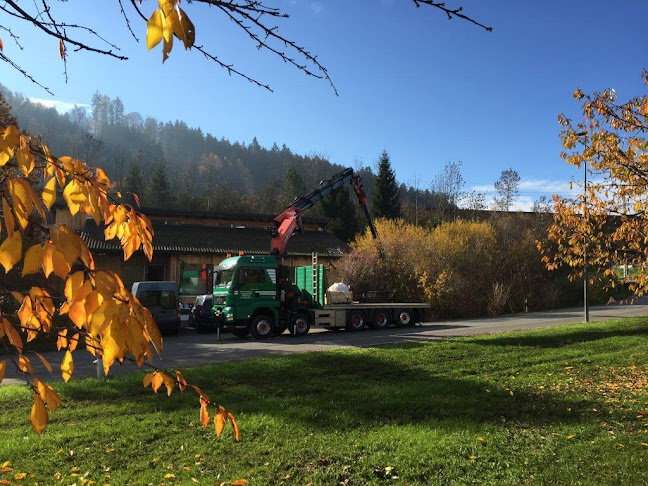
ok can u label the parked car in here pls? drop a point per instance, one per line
(203, 315)
(161, 298)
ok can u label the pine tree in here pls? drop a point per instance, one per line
(386, 200)
(292, 185)
(134, 182)
(341, 210)
(160, 194)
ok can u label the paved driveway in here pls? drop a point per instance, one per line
(189, 348)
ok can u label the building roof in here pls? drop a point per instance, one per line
(185, 238)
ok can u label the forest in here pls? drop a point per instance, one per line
(171, 165)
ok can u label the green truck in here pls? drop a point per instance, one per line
(256, 294)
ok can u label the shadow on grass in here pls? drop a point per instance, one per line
(558, 339)
(342, 390)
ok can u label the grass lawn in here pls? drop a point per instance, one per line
(560, 406)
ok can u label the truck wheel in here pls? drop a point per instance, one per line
(356, 321)
(241, 333)
(302, 325)
(404, 318)
(380, 320)
(261, 327)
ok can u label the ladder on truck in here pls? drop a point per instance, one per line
(315, 275)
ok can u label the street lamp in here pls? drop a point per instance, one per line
(585, 305)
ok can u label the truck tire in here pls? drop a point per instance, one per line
(404, 318)
(261, 326)
(301, 325)
(355, 321)
(380, 319)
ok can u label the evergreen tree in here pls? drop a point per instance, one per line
(134, 182)
(160, 194)
(508, 188)
(292, 185)
(339, 207)
(386, 200)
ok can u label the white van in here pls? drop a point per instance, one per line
(161, 298)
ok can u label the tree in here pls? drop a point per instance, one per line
(385, 198)
(134, 185)
(97, 309)
(449, 185)
(159, 189)
(292, 186)
(606, 224)
(507, 187)
(255, 18)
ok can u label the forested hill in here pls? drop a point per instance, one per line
(169, 164)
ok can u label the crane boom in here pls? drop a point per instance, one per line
(289, 221)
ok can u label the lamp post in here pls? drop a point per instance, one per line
(585, 304)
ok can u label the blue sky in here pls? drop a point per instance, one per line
(428, 90)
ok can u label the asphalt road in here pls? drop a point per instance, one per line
(189, 348)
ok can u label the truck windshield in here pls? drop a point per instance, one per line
(223, 278)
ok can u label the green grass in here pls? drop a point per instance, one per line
(560, 406)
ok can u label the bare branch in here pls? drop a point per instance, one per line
(450, 12)
(23, 72)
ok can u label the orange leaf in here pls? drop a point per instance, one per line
(61, 340)
(62, 49)
(3, 367)
(25, 365)
(46, 364)
(147, 379)
(38, 416)
(239, 482)
(157, 381)
(235, 427)
(182, 383)
(67, 366)
(204, 413)
(73, 342)
(220, 417)
(12, 334)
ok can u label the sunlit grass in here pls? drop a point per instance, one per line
(557, 406)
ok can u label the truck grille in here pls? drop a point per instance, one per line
(220, 300)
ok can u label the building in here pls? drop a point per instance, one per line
(187, 244)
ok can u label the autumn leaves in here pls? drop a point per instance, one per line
(97, 311)
(168, 21)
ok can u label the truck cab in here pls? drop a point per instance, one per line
(246, 296)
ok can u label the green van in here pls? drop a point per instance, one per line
(161, 298)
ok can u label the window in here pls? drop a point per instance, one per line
(162, 298)
(195, 279)
(254, 275)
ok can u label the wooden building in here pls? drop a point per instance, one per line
(186, 244)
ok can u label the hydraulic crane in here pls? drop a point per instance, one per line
(289, 222)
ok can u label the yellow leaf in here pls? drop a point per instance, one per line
(54, 261)
(10, 224)
(154, 29)
(74, 196)
(570, 436)
(187, 31)
(3, 367)
(67, 366)
(167, 46)
(49, 193)
(61, 340)
(148, 377)
(169, 476)
(33, 260)
(38, 418)
(11, 251)
(167, 25)
(25, 157)
(45, 362)
(168, 383)
(11, 136)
